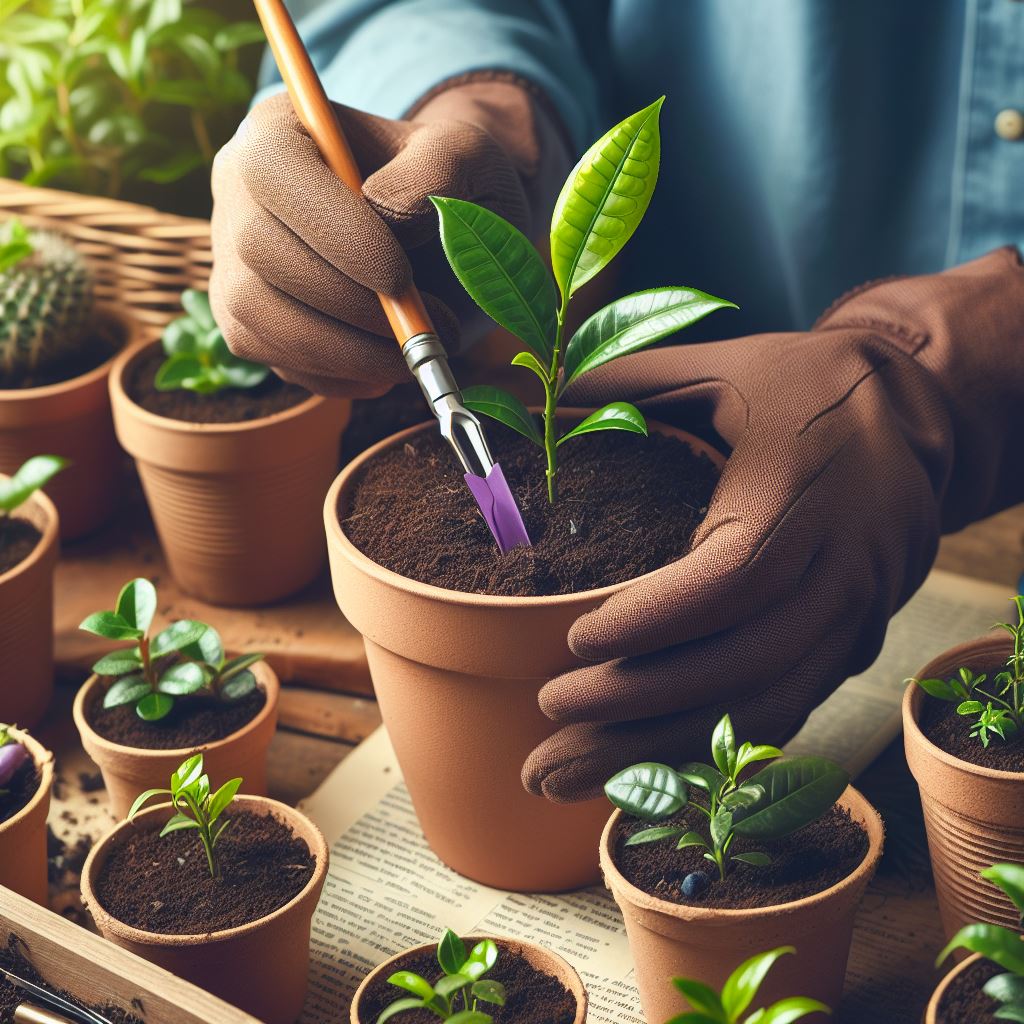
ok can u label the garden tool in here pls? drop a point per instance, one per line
(406, 313)
(45, 998)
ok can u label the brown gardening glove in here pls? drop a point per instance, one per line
(298, 258)
(897, 418)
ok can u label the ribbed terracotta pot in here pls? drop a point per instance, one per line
(127, 771)
(23, 836)
(457, 676)
(538, 957)
(931, 1015)
(974, 816)
(71, 418)
(26, 621)
(259, 967)
(236, 505)
(670, 940)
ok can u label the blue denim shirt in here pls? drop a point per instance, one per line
(808, 145)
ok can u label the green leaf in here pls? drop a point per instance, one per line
(177, 635)
(451, 952)
(757, 859)
(220, 800)
(482, 957)
(187, 773)
(797, 791)
(742, 985)
(721, 826)
(128, 690)
(242, 33)
(748, 754)
(648, 791)
(399, 1006)
(109, 625)
(177, 823)
(695, 1018)
(531, 362)
(200, 52)
(184, 678)
(723, 746)
(154, 706)
(235, 665)
(1009, 878)
(744, 797)
(970, 707)
(654, 835)
(179, 337)
(238, 686)
(470, 1017)
(136, 603)
(1007, 988)
(117, 663)
(177, 372)
(1011, 1013)
(450, 984)
(501, 270)
(785, 1011)
(938, 688)
(604, 199)
(27, 479)
(504, 408)
(614, 416)
(143, 798)
(209, 648)
(489, 992)
(703, 776)
(691, 839)
(700, 996)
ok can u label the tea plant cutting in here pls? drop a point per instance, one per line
(601, 204)
(462, 989)
(27, 479)
(782, 797)
(12, 756)
(146, 675)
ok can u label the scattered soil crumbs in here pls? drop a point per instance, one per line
(964, 1002)
(18, 539)
(19, 791)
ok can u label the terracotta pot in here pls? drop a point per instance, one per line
(931, 1015)
(974, 816)
(540, 958)
(236, 505)
(127, 771)
(26, 621)
(71, 418)
(457, 677)
(670, 940)
(259, 967)
(23, 836)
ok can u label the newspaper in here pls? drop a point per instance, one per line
(386, 891)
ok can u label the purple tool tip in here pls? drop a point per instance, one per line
(499, 508)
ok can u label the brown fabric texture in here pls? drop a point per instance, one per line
(854, 446)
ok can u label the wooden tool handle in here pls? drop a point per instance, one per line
(406, 313)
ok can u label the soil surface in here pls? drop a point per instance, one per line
(232, 405)
(964, 1002)
(96, 350)
(806, 862)
(18, 539)
(191, 722)
(23, 786)
(164, 885)
(626, 505)
(532, 996)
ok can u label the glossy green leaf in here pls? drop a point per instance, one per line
(220, 800)
(154, 706)
(412, 983)
(27, 479)
(791, 1009)
(117, 663)
(399, 1006)
(754, 858)
(1011, 1012)
(1009, 878)
(721, 826)
(797, 791)
(451, 952)
(144, 798)
(703, 776)
(654, 835)
(187, 773)
(749, 754)
(450, 984)
(179, 337)
(177, 635)
(504, 408)
(970, 707)
(741, 986)
(469, 1017)
(936, 688)
(177, 824)
(110, 626)
(614, 416)
(700, 996)
(482, 957)
(1007, 988)
(136, 603)
(237, 664)
(743, 797)
(691, 839)
(184, 678)
(489, 991)
(238, 686)
(209, 648)
(723, 746)
(178, 371)
(531, 362)
(648, 791)
(126, 691)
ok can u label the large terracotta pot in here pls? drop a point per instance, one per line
(71, 418)
(26, 621)
(457, 676)
(974, 816)
(538, 957)
(932, 1013)
(259, 967)
(671, 940)
(236, 505)
(23, 836)
(127, 771)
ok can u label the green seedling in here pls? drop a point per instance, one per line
(462, 988)
(601, 204)
(27, 479)
(185, 658)
(739, 991)
(782, 797)
(195, 807)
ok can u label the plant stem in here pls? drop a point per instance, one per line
(551, 407)
(204, 835)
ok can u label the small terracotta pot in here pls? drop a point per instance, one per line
(71, 418)
(538, 957)
(127, 771)
(457, 676)
(259, 967)
(23, 836)
(974, 816)
(931, 1015)
(236, 505)
(670, 940)
(26, 621)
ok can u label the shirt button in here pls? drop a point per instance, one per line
(1010, 125)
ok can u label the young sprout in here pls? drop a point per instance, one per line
(462, 988)
(12, 756)
(786, 795)
(27, 479)
(195, 807)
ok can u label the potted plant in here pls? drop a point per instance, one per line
(233, 460)
(459, 638)
(56, 348)
(172, 694)
(217, 888)
(988, 986)
(713, 862)
(26, 776)
(962, 729)
(493, 981)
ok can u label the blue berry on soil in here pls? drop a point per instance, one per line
(695, 884)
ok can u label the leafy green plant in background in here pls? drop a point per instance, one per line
(457, 996)
(23, 483)
(198, 357)
(782, 797)
(195, 806)
(185, 658)
(601, 204)
(739, 991)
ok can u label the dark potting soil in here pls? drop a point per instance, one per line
(18, 539)
(232, 405)
(96, 350)
(164, 885)
(626, 505)
(964, 1002)
(23, 786)
(804, 863)
(532, 996)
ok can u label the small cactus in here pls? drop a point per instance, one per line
(46, 298)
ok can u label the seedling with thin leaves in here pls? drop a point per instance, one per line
(26, 480)
(739, 991)
(195, 806)
(782, 797)
(185, 658)
(462, 988)
(601, 204)
(13, 755)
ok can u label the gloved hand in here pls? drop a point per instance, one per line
(297, 257)
(898, 417)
